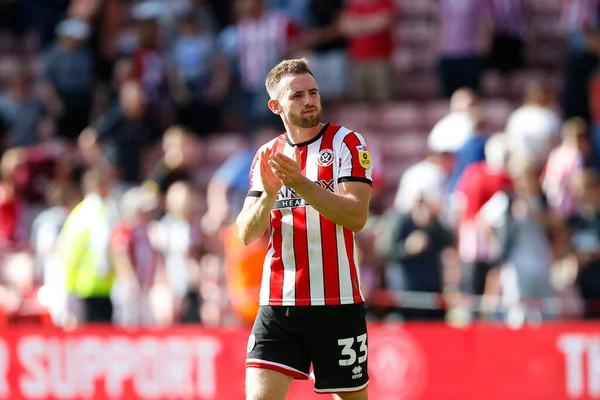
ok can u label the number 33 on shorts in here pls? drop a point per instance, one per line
(349, 355)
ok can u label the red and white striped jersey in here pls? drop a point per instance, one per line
(580, 14)
(563, 163)
(262, 43)
(310, 260)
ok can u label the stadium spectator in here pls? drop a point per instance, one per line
(426, 178)
(150, 60)
(579, 20)
(171, 13)
(21, 110)
(472, 151)
(451, 132)
(134, 259)
(179, 237)
(594, 89)
(534, 128)
(178, 160)
(259, 40)
(414, 241)
(584, 228)
(509, 20)
(368, 26)
(199, 76)
(70, 79)
(45, 231)
(464, 39)
(119, 137)
(566, 160)
(522, 222)
(12, 224)
(84, 251)
(477, 185)
(326, 47)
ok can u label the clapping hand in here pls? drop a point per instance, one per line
(286, 169)
(271, 183)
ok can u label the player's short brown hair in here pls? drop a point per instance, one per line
(297, 66)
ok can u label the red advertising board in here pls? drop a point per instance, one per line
(406, 362)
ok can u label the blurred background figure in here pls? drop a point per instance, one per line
(45, 232)
(84, 251)
(534, 128)
(583, 245)
(477, 185)
(565, 161)
(179, 237)
(70, 78)
(325, 45)
(368, 26)
(118, 138)
(509, 19)
(522, 223)
(179, 158)
(414, 242)
(134, 259)
(199, 75)
(20, 110)
(464, 41)
(257, 41)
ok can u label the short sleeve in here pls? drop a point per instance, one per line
(494, 211)
(256, 188)
(355, 160)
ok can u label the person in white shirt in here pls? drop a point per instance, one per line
(534, 128)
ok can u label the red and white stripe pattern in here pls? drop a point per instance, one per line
(578, 15)
(310, 260)
(564, 162)
(262, 43)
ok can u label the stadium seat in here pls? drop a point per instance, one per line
(354, 116)
(405, 146)
(521, 79)
(497, 112)
(433, 111)
(493, 84)
(393, 173)
(396, 116)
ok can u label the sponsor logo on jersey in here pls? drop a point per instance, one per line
(364, 157)
(288, 198)
(325, 158)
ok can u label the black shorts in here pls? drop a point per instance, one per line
(332, 338)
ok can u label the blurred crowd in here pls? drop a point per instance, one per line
(115, 207)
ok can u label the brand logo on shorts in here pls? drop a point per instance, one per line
(251, 343)
(357, 371)
(325, 158)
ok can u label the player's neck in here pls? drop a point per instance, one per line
(298, 135)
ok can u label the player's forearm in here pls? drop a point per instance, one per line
(346, 211)
(254, 221)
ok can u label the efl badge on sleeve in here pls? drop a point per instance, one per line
(364, 157)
